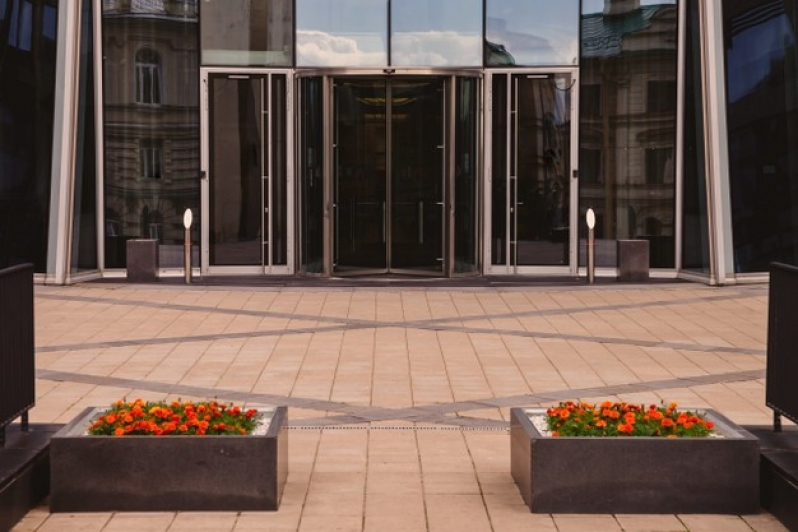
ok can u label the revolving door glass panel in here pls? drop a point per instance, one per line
(389, 171)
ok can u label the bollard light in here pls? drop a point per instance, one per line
(590, 218)
(187, 219)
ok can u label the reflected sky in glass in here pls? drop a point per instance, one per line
(436, 33)
(597, 6)
(341, 33)
(532, 32)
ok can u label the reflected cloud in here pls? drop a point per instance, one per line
(436, 48)
(318, 48)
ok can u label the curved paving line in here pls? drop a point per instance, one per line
(432, 414)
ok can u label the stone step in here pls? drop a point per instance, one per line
(24, 471)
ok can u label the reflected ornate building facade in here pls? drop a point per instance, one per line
(439, 138)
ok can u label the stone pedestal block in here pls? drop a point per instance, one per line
(142, 260)
(633, 260)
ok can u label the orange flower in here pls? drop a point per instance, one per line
(119, 431)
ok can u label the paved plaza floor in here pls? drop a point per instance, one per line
(399, 398)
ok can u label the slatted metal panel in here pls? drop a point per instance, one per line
(17, 377)
(781, 388)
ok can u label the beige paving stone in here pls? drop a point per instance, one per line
(464, 513)
(764, 522)
(586, 523)
(715, 523)
(651, 523)
(203, 521)
(140, 522)
(75, 523)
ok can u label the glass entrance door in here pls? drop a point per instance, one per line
(389, 143)
(247, 161)
(534, 178)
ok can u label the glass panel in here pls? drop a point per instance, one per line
(532, 32)
(360, 171)
(84, 218)
(417, 152)
(762, 84)
(311, 175)
(27, 98)
(247, 32)
(500, 173)
(466, 210)
(279, 177)
(341, 33)
(235, 171)
(151, 147)
(543, 168)
(628, 125)
(436, 33)
(695, 229)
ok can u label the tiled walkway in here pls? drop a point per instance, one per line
(399, 398)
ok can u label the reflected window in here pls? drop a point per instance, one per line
(662, 96)
(760, 45)
(150, 58)
(532, 32)
(247, 32)
(148, 77)
(436, 33)
(341, 33)
(151, 159)
(628, 124)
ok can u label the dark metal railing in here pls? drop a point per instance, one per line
(17, 377)
(781, 385)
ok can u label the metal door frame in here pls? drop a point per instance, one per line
(266, 266)
(573, 240)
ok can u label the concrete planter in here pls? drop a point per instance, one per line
(167, 473)
(628, 475)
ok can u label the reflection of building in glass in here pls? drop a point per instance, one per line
(517, 161)
(628, 123)
(151, 107)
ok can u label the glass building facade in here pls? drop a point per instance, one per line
(436, 138)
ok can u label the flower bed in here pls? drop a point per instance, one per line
(616, 473)
(162, 457)
(624, 419)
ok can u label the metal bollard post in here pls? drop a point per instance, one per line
(591, 249)
(187, 263)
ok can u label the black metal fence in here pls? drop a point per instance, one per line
(781, 387)
(17, 377)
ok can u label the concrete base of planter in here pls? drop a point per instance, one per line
(24, 471)
(167, 473)
(629, 475)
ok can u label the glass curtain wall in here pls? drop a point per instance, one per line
(762, 96)
(531, 32)
(28, 44)
(151, 125)
(695, 228)
(247, 32)
(436, 33)
(84, 214)
(628, 124)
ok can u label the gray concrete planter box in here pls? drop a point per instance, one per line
(628, 475)
(167, 473)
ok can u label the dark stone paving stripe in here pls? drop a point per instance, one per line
(435, 414)
(199, 338)
(413, 323)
